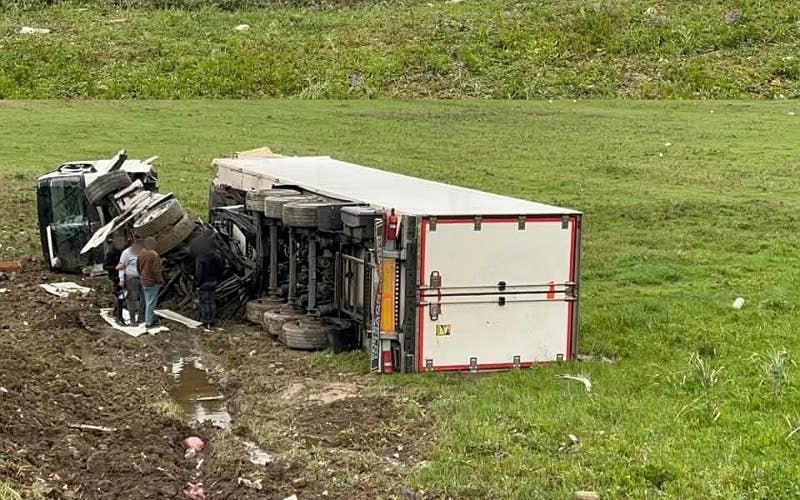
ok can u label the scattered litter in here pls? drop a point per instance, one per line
(587, 495)
(293, 497)
(87, 427)
(133, 331)
(594, 358)
(300, 482)
(27, 30)
(178, 318)
(118, 21)
(3, 390)
(573, 445)
(93, 271)
(76, 358)
(257, 456)
(194, 491)
(252, 353)
(190, 453)
(10, 266)
(64, 289)
(194, 443)
(667, 144)
(3, 290)
(242, 27)
(453, 1)
(579, 378)
(791, 113)
(738, 303)
(256, 485)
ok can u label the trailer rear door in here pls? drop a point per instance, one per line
(497, 292)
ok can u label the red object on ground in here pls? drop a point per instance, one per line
(194, 491)
(195, 443)
(10, 266)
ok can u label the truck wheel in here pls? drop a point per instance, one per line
(273, 205)
(255, 309)
(341, 335)
(171, 237)
(158, 218)
(302, 213)
(254, 200)
(276, 318)
(306, 335)
(105, 185)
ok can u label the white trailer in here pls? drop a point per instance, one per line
(468, 281)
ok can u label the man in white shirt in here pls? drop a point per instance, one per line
(129, 279)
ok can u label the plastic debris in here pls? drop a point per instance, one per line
(293, 497)
(587, 495)
(738, 303)
(256, 455)
(579, 378)
(64, 289)
(256, 485)
(194, 443)
(242, 27)
(27, 30)
(194, 491)
(133, 331)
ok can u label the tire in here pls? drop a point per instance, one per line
(341, 335)
(105, 185)
(276, 318)
(273, 205)
(255, 309)
(302, 213)
(171, 237)
(254, 200)
(306, 335)
(158, 218)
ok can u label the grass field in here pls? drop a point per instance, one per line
(407, 49)
(688, 205)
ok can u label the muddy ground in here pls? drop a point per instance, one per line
(329, 434)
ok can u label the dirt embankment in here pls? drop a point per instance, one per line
(330, 435)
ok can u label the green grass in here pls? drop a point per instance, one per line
(486, 48)
(703, 399)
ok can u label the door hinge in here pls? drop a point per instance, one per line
(434, 310)
(521, 222)
(516, 362)
(432, 223)
(565, 222)
(473, 365)
(477, 224)
(428, 365)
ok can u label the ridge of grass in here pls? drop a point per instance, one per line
(354, 50)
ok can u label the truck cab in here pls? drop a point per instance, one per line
(68, 217)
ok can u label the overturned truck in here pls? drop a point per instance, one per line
(425, 276)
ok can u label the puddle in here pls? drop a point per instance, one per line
(196, 395)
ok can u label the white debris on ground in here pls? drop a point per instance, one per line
(27, 30)
(256, 455)
(242, 27)
(256, 485)
(738, 303)
(64, 289)
(178, 318)
(133, 331)
(579, 378)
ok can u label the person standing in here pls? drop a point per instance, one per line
(129, 279)
(118, 242)
(208, 271)
(151, 275)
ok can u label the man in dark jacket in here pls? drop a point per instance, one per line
(117, 244)
(208, 271)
